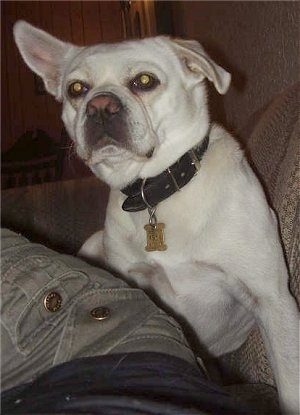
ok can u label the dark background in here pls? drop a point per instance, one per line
(258, 42)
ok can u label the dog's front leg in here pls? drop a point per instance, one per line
(278, 318)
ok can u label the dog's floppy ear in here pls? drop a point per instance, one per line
(198, 62)
(44, 54)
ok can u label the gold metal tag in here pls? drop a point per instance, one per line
(155, 237)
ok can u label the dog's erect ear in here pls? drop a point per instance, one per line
(197, 61)
(44, 54)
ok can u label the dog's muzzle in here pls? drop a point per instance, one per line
(105, 121)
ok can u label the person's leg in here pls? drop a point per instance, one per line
(56, 308)
(123, 384)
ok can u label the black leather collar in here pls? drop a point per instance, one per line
(149, 192)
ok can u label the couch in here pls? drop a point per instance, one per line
(62, 215)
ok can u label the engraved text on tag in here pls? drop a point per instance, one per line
(155, 237)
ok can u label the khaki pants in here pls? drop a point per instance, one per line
(56, 308)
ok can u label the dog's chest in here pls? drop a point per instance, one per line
(175, 238)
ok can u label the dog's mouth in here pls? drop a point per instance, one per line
(111, 151)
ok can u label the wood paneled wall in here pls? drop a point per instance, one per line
(80, 22)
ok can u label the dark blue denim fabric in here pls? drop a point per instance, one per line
(122, 384)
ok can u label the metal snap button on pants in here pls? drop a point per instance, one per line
(57, 308)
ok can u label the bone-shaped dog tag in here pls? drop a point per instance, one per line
(155, 237)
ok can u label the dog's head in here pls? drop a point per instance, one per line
(132, 108)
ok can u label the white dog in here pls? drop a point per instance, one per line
(187, 219)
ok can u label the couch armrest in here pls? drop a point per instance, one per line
(61, 215)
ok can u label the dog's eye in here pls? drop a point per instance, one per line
(144, 82)
(77, 89)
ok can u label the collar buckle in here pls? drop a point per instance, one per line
(195, 160)
(176, 185)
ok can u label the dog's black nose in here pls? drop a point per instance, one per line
(104, 106)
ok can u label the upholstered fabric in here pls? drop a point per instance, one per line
(61, 215)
